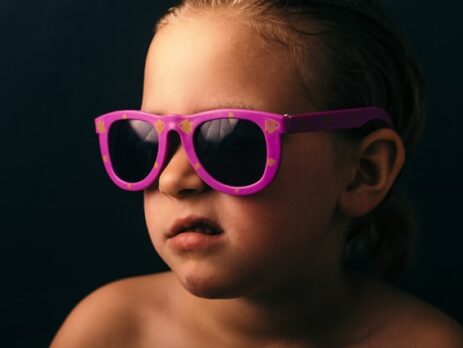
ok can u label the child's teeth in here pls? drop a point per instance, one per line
(210, 230)
(201, 228)
(204, 229)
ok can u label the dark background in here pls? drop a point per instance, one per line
(66, 229)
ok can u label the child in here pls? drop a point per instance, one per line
(261, 216)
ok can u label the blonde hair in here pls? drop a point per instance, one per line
(362, 60)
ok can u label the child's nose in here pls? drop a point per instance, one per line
(178, 179)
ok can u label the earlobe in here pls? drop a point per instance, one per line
(378, 159)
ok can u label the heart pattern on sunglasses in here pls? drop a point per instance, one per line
(160, 126)
(271, 126)
(185, 126)
(100, 127)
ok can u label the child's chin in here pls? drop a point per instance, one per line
(211, 287)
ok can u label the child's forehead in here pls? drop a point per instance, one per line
(231, 32)
(215, 105)
(205, 62)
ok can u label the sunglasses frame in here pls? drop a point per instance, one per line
(272, 125)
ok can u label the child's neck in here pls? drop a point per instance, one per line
(303, 310)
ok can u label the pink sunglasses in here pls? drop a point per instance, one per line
(234, 151)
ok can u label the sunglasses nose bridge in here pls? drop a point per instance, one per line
(179, 124)
(176, 127)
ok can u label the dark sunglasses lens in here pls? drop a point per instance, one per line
(232, 151)
(133, 147)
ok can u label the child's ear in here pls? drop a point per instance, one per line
(378, 159)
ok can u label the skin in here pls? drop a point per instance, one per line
(277, 280)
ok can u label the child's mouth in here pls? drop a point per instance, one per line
(194, 233)
(201, 228)
(194, 224)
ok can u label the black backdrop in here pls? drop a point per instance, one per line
(66, 230)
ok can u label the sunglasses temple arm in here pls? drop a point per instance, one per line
(342, 119)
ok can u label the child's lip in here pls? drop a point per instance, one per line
(182, 224)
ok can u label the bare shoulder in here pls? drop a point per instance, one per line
(116, 314)
(406, 321)
(429, 327)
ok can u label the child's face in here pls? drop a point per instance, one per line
(284, 232)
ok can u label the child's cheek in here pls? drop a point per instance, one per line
(290, 218)
(264, 227)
